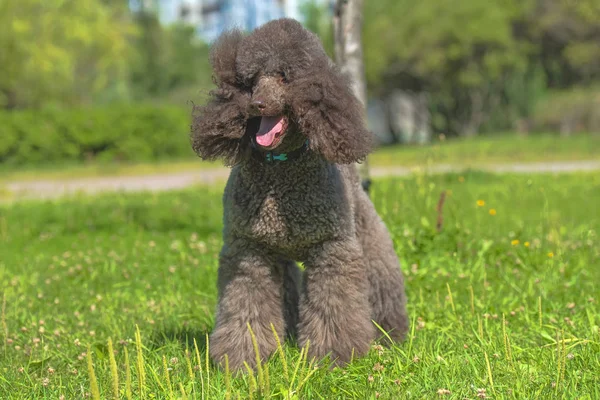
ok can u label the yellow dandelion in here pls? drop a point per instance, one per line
(492, 211)
(551, 254)
(461, 179)
(480, 203)
(526, 244)
(515, 242)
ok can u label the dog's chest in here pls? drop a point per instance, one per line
(287, 215)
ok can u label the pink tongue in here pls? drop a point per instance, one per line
(269, 127)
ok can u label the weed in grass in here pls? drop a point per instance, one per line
(120, 289)
(113, 370)
(92, 374)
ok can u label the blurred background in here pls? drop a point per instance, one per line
(114, 80)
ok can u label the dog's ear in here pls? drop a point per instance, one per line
(218, 127)
(222, 57)
(329, 114)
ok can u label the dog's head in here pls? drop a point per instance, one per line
(276, 88)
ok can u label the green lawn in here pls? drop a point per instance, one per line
(473, 152)
(497, 149)
(504, 300)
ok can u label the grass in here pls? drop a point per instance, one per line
(98, 170)
(496, 149)
(113, 296)
(473, 152)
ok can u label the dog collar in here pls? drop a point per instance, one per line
(272, 157)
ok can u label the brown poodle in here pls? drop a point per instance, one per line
(285, 119)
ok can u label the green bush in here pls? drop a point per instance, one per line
(118, 133)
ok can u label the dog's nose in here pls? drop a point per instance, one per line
(258, 106)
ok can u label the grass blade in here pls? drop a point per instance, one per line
(128, 391)
(227, 379)
(182, 390)
(3, 319)
(259, 369)
(168, 378)
(296, 369)
(281, 354)
(489, 370)
(114, 373)
(540, 310)
(95, 391)
(207, 360)
(451, 298)
(140, 362)
(199, 361)
(188, 364)
(252, 387)
(472, 298)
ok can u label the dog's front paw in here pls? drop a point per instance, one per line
(342, 344)
(237, 345)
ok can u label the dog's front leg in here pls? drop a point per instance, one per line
(335, 315)
(250, 292)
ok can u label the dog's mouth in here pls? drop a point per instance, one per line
(271, 131)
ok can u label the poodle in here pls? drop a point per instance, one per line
(284, 118)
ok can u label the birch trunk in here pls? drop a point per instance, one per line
(347, 25)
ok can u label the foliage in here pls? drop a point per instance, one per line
(478, 152)
(168, 58)
(564, 36)
(62, 52)
(462, 64)
(485, 64)
(71, 53)
(317, 19)
(124, 133)
(517, 101)
(504, 304)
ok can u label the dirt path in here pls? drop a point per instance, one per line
(57, 188)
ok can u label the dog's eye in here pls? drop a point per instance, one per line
(283, 77)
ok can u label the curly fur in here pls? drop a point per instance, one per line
(311, 210)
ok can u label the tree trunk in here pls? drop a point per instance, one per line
(409, 116)
(348, 45)
(347, 24)
(476, 116)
